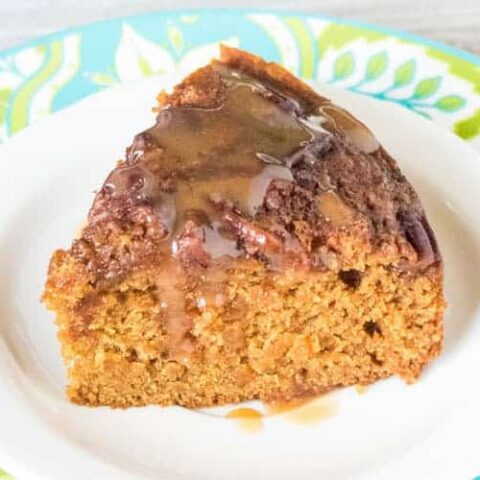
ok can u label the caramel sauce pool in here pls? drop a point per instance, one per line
(248, 419)
(305, 411)
(361, 389)
(276, 408)
(308, 411)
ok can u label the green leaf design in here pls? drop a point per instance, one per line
(457, 66)
(42, 49)
(5, 475)
(176, 37)
(4, 97)
(404, 73)
(145, 67)
(427, 87)
(103, 79)
(376, 65)
(344, 65)
(469, 127)
(335, 36)
(450, 103)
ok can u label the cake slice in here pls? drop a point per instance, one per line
(256, 243)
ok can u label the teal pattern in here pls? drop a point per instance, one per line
(50, 73)
(53, 72)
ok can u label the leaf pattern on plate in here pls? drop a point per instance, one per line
(137, 57)
(376, 65)
(450, 103)
(38, 79)
(282, 37)
(31, 79)
(344, 66)
(4, 475)
(390, 70)
(468, 128)
(427, 87)
(176, 37)
(404, 73)
(14, 72)
(5, 94)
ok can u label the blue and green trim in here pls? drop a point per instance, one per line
(179, 32)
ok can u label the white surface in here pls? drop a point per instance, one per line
(428, 430)
(454, 22)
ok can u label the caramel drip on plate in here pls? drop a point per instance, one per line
(276, 408)
(361, 389)
(310, 411)
(303, 411)
(248, 419)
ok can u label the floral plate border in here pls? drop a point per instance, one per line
(52, 72)
(55, 71)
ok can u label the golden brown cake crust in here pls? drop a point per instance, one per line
(328, 274)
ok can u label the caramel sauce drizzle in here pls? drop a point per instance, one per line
(194, 157)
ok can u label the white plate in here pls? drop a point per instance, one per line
(427, 430)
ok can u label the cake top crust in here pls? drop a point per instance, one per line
(246, 160)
